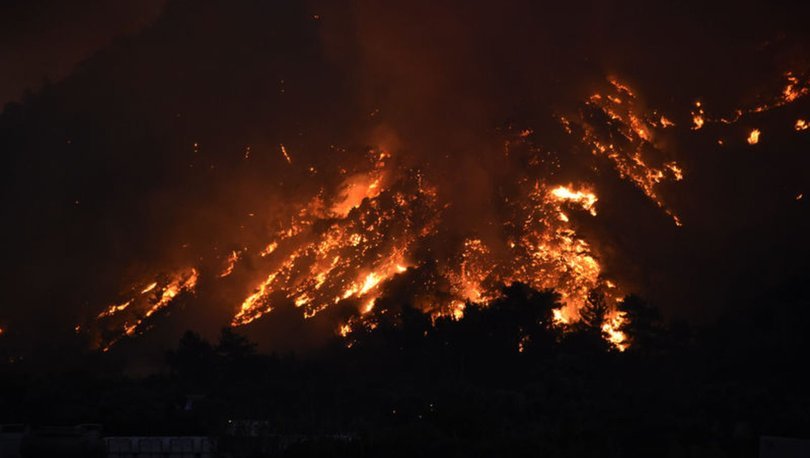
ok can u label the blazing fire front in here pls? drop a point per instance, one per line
(382, 220)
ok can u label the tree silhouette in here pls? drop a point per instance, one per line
(193, 357)
(528, 316)
(642, 324)
(593, 315)
(233, 346)
(587, 334)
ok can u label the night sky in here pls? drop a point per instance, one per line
(45, 40)
(126, 131)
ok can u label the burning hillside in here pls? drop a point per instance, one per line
(387, 217)
(408, 228)
(348, 167)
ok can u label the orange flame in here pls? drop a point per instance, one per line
(230, 263)
(141, 307)
(612, 327)
(753, 137)
(285, 154)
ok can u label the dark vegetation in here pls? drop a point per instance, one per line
(461, 388)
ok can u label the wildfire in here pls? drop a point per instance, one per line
(800, 125)
(793, 90)
(373, 231)
(618, 129)
(144, 303)
(377, 220)
(320, 267)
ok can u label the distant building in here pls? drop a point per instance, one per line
(81, 441)
(783, 447)
(85, 441)
(11, 440)
(261, 438)
(160, 447)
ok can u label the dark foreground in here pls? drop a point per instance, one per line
(499, 382)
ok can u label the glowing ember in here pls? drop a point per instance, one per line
(800, 125)
(753, 137)
(285, 154)
(698, 119)
(269, 249)
(665, 122)
(230, 263)
(113, 309)
(149, 287)
(793, 90)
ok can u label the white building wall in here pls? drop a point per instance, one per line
(160, 447)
